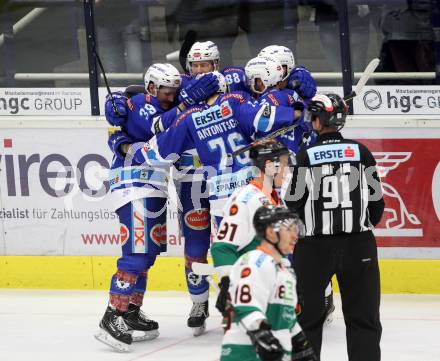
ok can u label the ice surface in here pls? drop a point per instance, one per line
(59, 326)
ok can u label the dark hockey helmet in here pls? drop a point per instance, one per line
(267, 151)
(330, 108)
(275, 216)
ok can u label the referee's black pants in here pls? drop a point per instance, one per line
(353, 258)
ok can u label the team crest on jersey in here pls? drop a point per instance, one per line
(334, 153)
(245, 272)
(233, 210)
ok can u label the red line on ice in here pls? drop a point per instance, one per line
(169, 346)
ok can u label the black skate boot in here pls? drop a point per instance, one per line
(197, 317)
(139, 325)
(329, 309)
(113, 330)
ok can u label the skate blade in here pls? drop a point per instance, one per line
(197, 331)
(144, 335)
(106, 338)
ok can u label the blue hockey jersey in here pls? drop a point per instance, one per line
(236, 78)
(230, 122)
(302, 134)
(130, 180)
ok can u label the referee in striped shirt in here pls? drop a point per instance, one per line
(336, 191)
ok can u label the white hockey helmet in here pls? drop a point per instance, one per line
(283, 54)
(203, 51)
(222, 85)
(162, 75)
(268, 70)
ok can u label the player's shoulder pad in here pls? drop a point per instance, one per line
(187, 112)
(246, 194)
(136, 101)
(232, 69)
(273, 99)
(259, 259)
(236, 95)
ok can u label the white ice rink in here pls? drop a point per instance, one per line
(59, 326)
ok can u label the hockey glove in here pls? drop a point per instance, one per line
(116, 140)
(116, 110)
(133, 90)
(302, 349)
(222, 299)
(199, 90)
(266, 344)
(298, 106)
(302, 82)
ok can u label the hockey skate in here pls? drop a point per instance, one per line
(113, 331)
(139, 325)
(197, 317)
(329, 309)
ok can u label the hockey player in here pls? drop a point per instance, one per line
(228, 123)
(267, 80)
(135, 128)
(142, 223)
(203, 57)
(263, 295)
(236, 234)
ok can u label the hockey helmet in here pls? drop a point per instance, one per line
(162, 75)
(276, 216)
(268, 70)
(282, 53)
(330, 108)
(271, 151)
(203, 51)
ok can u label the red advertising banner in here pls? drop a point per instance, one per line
(410, 174)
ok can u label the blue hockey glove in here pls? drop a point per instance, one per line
(302, 82)
(116, 114)
(116, 140)
(199, 90)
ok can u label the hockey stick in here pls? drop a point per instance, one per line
(371, 67)
(263, 140)
(188, 42)
(204, 269)
(98, 59)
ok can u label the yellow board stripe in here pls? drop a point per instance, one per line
(93, 272)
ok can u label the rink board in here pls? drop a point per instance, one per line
(397, 276)
(51, 239)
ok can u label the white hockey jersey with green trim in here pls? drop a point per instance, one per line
(236, 233)
(260, 289)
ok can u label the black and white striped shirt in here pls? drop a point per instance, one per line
(335, 187)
